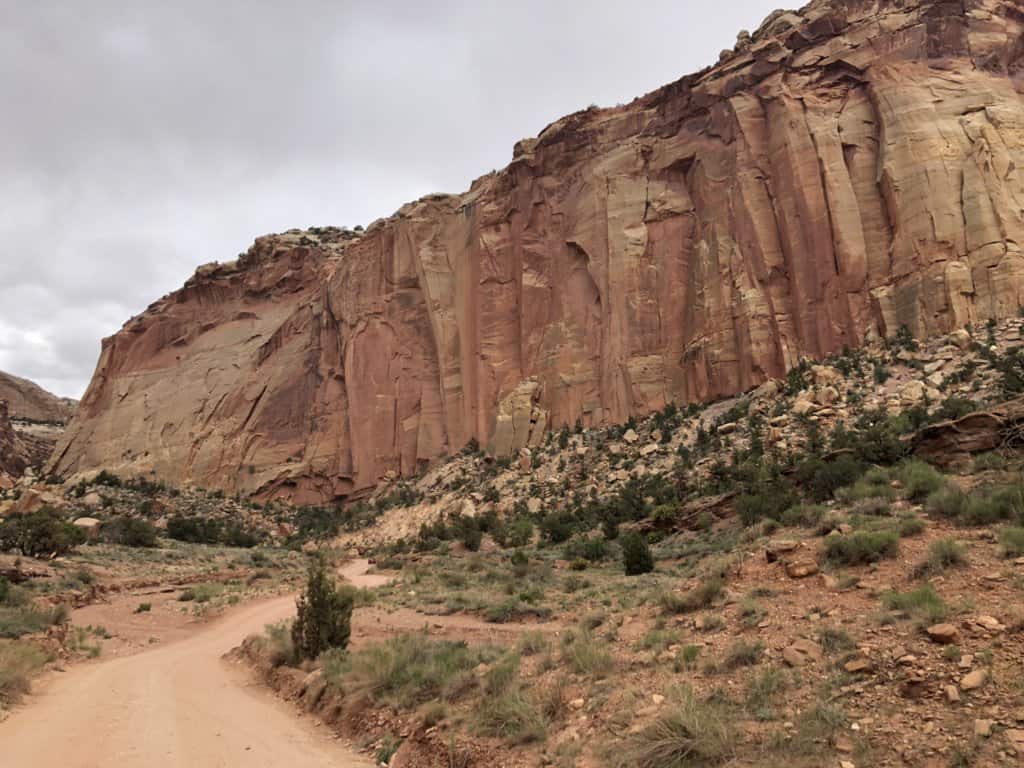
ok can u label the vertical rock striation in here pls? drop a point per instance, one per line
(845, 170)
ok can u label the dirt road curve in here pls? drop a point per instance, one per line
(175, 706)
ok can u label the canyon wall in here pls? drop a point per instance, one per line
(845, 170)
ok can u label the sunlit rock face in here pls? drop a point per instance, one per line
(845, 170)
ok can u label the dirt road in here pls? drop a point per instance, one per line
(178, 705)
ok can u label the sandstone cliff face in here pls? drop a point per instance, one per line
(846, 170)
(27, 400)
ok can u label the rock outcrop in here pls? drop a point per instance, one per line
(18, 450)
(844, 171)
(27, 401)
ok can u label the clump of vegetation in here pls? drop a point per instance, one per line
(701, 596)
(636, 554)
(196, 529)
(129, 532)
(18, 616)
(919, 479)
(587, 655)
(19, 663)
(324, 614)
(408, 670)
(691, 732)
(923, 603)
(1011, 542)
(743, 654)
(507, 711)
(978, 508)
(942, 554)
(40, 534)
(861, 547)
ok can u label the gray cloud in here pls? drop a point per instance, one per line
(144, 138)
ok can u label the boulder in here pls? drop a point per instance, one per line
(943, 633)
(802, 652)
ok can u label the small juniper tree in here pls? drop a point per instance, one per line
(324, 614)
(636, 555)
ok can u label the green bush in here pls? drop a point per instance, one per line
(822, 479)
(324, 614)
(590, 548)
(804, 515)
(636, 554)
(408, 670)
(689, 733)
(520, 532)
(696, 599)
(1011, 542)
(557, 527)
(195, 530)
(743, 654)
(40, 534)
(979, 508)
(19, 663)
(919, 479)
(129, 532)
(767, 502)
(923, 603)
(861, 547)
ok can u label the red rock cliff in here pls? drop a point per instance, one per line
(846, 170)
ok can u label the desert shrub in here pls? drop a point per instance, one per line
(636, 554)
(919, 479)
(587, 655)
(861, 547)
(743, 654)
(821, 479)
(236, 535)
(763, 688)
(18, 616)
(520, 532)
(874, 484)
(954, 408)
(690, 733)
(804, 515)
(129, 532)
(701, 596)
(769, 502)
(43, 533)
(924, 603)
(910, 526)
(557, 527)
(943, 554)
(195, 529)
(277, 640)
(982, 508)
(588, 548)
(323, 614)
(19, 662)
(833, 639)
(411, 669)
(1011, 541)
(506, 710)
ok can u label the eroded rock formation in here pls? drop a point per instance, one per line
(27, 401)
(845, 170)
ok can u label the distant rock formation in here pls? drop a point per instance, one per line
(27, 401)
(19, 450)
(842, 172)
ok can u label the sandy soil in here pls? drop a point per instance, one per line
(179, 704)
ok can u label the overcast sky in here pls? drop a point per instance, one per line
(141, 138)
